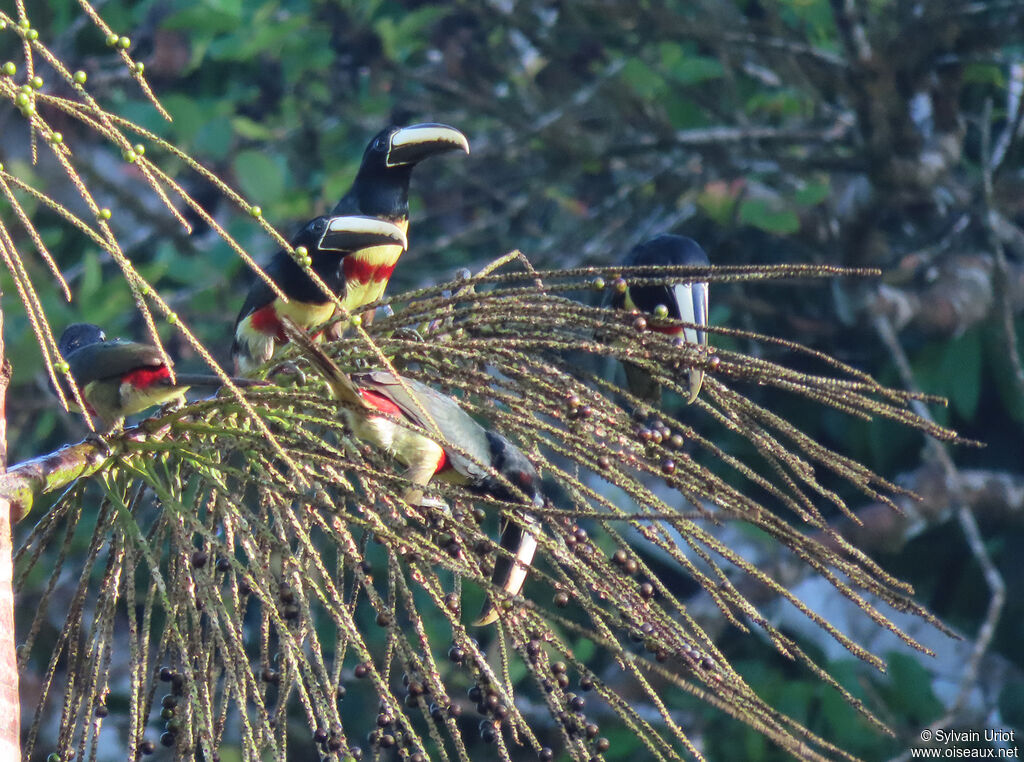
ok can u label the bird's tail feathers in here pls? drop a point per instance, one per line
(510, 570)
(341, 385)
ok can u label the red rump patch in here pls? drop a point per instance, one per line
(386, 405)
(442, 463)
(359, 270)
(265, 321)
(143, 378)
(381, 403)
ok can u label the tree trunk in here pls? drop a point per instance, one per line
(10, 707)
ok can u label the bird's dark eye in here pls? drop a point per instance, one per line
(379, 143)
(319, 225)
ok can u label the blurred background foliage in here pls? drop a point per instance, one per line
(857, 133)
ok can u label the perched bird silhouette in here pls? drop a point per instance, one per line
(378, 403)
(328, 241)
(118, 378)
(685, 301)
(381, 189)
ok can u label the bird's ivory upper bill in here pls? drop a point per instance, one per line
(692, 299)
(418, 141)
(350, 233)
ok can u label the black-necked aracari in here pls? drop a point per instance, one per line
(118, 378)
(377, 405)
(328, 242)
(686, 302)
(381, 189)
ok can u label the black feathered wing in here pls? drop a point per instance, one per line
(111, 359)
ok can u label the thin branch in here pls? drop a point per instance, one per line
(972, 535)
(10, 705)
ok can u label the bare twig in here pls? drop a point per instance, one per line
(1002, 267)
(969, 526)
(10, 704)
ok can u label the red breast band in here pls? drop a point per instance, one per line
(265, 321)
(669, 330)
(143, 378)
(358, 270)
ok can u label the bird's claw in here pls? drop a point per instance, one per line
(408, 334)
(100, 442)
(289, 368)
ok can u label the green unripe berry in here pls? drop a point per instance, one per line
(27, 89)
(139, 67)
(256, 212)
(129, 156)
(28, 110)
(37, 82)
(21, 100)
(661, 311)
(104, 214)
(24, 24)
(56, 138)
(32, 34)
(124, 43)
(62, 367)
(356, 320)
(301, 254)
(80, 77)
(3, 25)
(140, 149)
(10, 69)
(173, 318)
(53, 757)
(598, 283)
(111, 40)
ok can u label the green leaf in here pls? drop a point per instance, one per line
(250, 129)
(404, 35)
(259, 176)
(953, 369)
(1011, 703)
(761, 214)
(910, 687)
(225, 7)
(962, 366)
(984, 74)
(645, 82)
(1003, 371)
(584, 648)
(201, 22)
(92, 276)
(718, 201)
(812, 194)
(691, 70)
(187, 113)
(215, 137)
